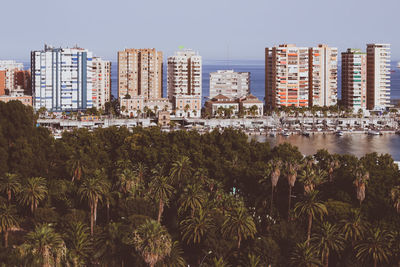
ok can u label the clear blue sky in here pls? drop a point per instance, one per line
(218, 29)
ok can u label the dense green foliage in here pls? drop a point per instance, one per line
(114, 197)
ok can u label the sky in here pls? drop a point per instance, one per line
(218, 29)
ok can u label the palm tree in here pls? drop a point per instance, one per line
(127, 181)
(273, 171)
(238, 222)
(304, 256)
(253, 110)
(181, 169)
(254, 261)
(75, 164)
(78, 243)
(8, 220)
(175, 258)
(10, 185)
(375, 247)
(328, 239)
(219, 262)
(332, 165)
(395, 244)
(194, 228)
(93, 189)
(44, 242)
(186, 108)
(140, 170)
(291, 176)
(146, 111)
(310, 178)
(152, 241)
(354, 227)
(192, 198)
(362, 177)
(108, 244)
(312, 208)
(161, 191)
(395, 194)
(33, 191)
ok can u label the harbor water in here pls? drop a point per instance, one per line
(352, 143)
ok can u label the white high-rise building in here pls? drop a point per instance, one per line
(184, 83)
(101, 82)
(229, 83)
(62, 79)
(323, 76)
(378, 76)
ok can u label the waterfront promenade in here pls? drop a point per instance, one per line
(252, 126)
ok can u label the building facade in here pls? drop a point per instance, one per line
(251, 106)
(24, 99)
(354, 79)
(323, 75)
(286, 76)
(184, 82)
(378, 76)
(140, 73)
(101, 82)
(62, 79)
(3, 78)
(229, 83)
(13, 76)
(138, 105)
(220, 106)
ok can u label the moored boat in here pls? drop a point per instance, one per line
(374, 132)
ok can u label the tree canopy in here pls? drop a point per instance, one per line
(143, 197)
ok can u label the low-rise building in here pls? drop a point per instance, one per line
(25, 99)
(133, 106)
(137, 105)
(164, 118)
(187, 106)
(251, 106)
(222, 105)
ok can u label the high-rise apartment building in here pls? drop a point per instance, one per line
(286, 76)
(184, 83)
(13, 77)
(354, 79)
(229, 83)
(140, 73)
(62, 78)
(101, 82)
(323, 75)
(378, 76)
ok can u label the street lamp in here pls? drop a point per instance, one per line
(209, 252)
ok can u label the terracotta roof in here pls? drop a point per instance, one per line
(251, 99)
(220, 97)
